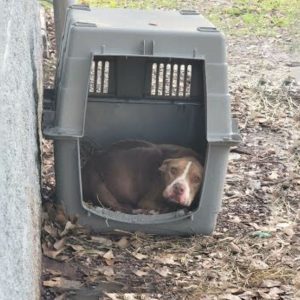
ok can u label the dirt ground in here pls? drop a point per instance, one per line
(254, 252)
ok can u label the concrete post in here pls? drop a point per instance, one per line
(20, 106)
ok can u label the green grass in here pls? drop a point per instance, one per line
(257, 17)
(145, 4)
(47, 4)
(238, 17)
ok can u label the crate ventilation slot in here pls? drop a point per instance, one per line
(168, 80)
(99, 77)
(171, 80)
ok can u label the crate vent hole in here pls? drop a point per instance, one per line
(171, 80)
(99, 77)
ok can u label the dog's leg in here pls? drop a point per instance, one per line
(152, 201)
(95, 190)
(105, 198)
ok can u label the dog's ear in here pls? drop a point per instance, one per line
(164, 165)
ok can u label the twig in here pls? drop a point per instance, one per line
(100, 202)
(241, 151)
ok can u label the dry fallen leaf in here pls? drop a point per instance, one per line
(261, 120)
(254, 225)
(51, 230)
(62, 283)
(123, 243)
(139, 256)
(113, 296)
(109, 255)
(76, 247)
(106, 270)
(140, 273)
(51, 253)
(129, 296)
(289, 231)
(268, 283)
(274, 175)
(259, 264)
(54, 272)
(235, 219)
(101, 240)
(109, 258)
(275, 292)
(264, 295)
(248, 295)
(148, 296)
(59, 244)
(167, 259)
(164, 271)
(230, 297)
(69, 227)
(234, 248)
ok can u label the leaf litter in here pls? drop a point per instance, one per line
(254, 252)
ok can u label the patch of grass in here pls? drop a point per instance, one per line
(237, 17)
(145, 4)
(280, 273)
(256, 17)
(47, 4)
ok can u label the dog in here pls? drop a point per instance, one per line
(136, 174)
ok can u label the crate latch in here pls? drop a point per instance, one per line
(80, 6)
(207, 29)
(188, 12)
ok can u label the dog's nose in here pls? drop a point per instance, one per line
(179, 189)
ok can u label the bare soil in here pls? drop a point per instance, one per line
(254, 252)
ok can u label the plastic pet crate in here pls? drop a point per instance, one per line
(152, 75)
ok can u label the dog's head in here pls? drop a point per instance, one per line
(182, 178)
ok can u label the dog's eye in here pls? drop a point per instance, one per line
(196, 179)
(173, 170)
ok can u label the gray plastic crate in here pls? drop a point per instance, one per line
(153, 75)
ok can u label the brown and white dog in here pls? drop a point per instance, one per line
(135, 174)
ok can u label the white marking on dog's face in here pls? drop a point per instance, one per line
(180, 182)
(183, 178)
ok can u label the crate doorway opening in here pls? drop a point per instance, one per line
(139, 177)
(160, 100)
